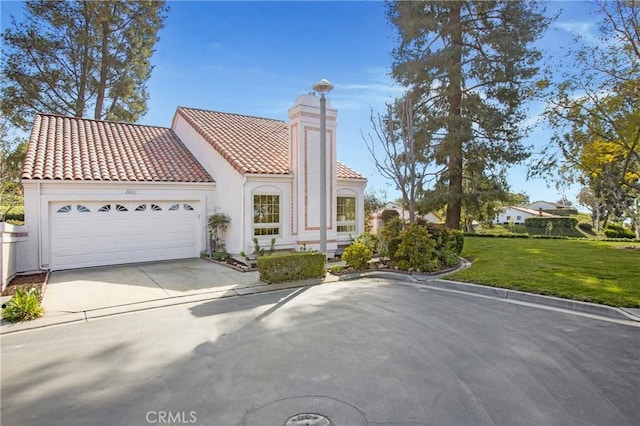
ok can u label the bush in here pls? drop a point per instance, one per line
(291, 266)
(14, 217)
(389, 214)
(23, 306)
(506, 235)
(392, 247)
(618, 231)
(585, 226)
(456, 241)
(417, 251)
(357, 255)
(562, 212)
(557, 222)
(390, 231)
(369, 240)
(449, 242)
(220, 255)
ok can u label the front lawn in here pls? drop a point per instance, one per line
(586, 270)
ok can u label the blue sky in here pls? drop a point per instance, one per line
(255, 58)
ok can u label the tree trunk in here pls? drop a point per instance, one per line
(83, 80)
(104, 67)
(454, 207)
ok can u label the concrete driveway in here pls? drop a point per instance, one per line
(87, 289)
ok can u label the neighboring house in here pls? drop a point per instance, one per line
(546, 205)
(517, 215)
(102, 193)
(376, 217)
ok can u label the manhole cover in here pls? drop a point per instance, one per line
(308, 419)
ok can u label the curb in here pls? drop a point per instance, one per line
(432, 281)
(556, 302)
(84, 316)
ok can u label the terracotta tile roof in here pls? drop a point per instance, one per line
(249, 144)
(345, 172)
(68, 148)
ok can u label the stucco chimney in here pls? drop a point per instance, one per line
(304, 160)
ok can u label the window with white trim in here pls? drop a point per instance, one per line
(266, 214)
(346, 209)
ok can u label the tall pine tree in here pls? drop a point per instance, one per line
(470, 66)
(80, 58)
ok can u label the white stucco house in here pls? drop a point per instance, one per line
(102, 193)
(517, 215)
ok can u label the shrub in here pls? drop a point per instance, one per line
(449, 258)
(23, 306)
(392, 247)
(389, 214)
(557, 222)
(391, 229)
(456, 241)
(357, 255)
(335, 269)
(220, 255)
(562, 212)
(369, 240)
(259, 251)
(417, 251)
(506, 235)
(449, 242)
(291, 266)
(618, 231)
(15, 217)
(585, 226)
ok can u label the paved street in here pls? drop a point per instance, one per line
(362, 352)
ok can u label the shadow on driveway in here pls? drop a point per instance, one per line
(88, 289)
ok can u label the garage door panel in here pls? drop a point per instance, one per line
(82, 235)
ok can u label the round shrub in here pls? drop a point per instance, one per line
(369, 240)
(417, 251)
(357, 255)
(585, 226)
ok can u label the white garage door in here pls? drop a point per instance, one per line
(112, 232)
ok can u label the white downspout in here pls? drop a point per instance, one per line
(40, 227)
(244, 218)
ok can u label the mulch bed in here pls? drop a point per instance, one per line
(25, 282)
(383, 267)
(233, 264)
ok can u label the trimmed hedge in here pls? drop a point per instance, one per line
(618, 231)
(513, 235)
(562, 212)
(558, 222)
(291, 267)
(585, 226)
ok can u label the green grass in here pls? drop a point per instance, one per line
(586, 270)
